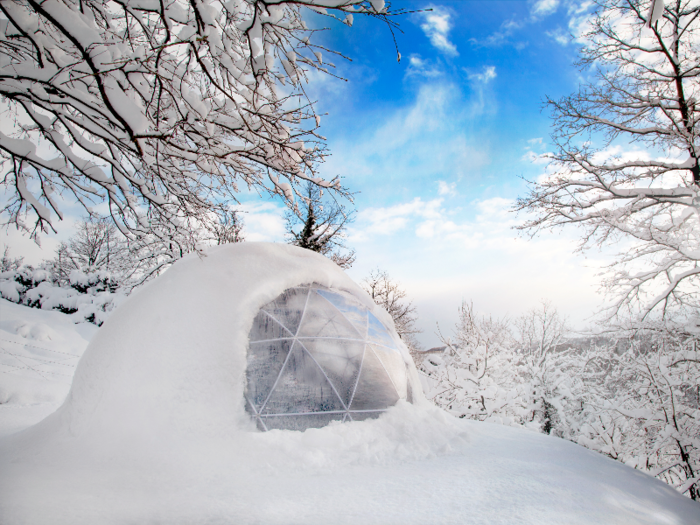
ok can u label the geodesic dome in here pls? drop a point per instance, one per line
(317, 355)
(188, 354)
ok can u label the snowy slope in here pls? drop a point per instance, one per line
(39, 351)
(154, 431)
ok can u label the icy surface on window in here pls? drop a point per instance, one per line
(318, 355)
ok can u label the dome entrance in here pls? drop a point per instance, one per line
(317, 355)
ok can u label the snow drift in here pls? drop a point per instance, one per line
(154, 429)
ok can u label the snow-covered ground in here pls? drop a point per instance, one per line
(39, 351)
(154, 428)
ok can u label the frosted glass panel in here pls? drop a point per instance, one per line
(303, 381)
(288, 308)
(265, 361)
(340, 360)
(374, 388)
(378, 333)
(265, 328)
(355, 313)
(300, 422)
(361, 416)
(394, 365)
(322, 319)
(318, 355)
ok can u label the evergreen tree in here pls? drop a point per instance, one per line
(323, 226)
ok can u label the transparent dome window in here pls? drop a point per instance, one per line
(318, 355)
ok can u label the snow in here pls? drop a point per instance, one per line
(39, 351)
(154, 429)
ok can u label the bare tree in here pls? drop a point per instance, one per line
(625, 165)
(159, 109)
(228, 229)
(541, 329)
(9, 263)
(389, 295)
(319, 225)
(96, 245)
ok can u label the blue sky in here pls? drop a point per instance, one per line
(434, 149)
(437, 145)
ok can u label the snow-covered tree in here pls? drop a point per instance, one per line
(633, 396)
(95, 245)
(473, 377)
(516, 372)
(228, 229)
(319, 225)
(625, 164)
(389, 294)
(645, 406)
(161, 109)
(547, 370)
(9, 263)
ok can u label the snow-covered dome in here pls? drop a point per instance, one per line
(317, 355)
(177, 356)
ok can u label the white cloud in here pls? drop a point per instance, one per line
(483, 100)
(418, 66)
(488, 73)
(443, 255)
(544, 7)
(391, 219)
(436, 25)
(500, 37)
(430, 219)
(263, 221)
(531, 156)
(423, 141)
(447, 189)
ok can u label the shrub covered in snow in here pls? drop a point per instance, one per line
(88, 296)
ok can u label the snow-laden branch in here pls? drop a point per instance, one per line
(625, 164)
(161, 108)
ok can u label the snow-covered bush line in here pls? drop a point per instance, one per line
(90, 295)
(633, 396)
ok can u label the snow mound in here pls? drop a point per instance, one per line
(171, 360)
(39, 351)
(154, 430)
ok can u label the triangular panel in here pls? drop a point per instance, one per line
(266, 328)
(374, 388)
(378, 333)
(265, 361)
(324, 320)
(302, 387)
(361, 416)
(351, 308)
(394, 365)
(288, 308)
(340, 359)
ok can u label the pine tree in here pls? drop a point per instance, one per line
(323, 227)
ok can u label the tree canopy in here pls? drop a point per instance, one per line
(162, 109)
(625, 165)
